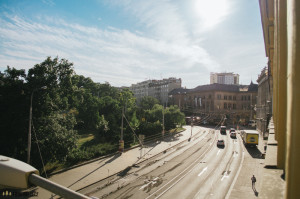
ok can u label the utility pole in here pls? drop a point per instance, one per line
(192, 124)
(29, 127)
(121, 142)
(29, 130)
(163, 131)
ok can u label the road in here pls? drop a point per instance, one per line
(195, 169)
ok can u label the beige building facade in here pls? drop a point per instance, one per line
(237, 102)
(264, 102)
(281, 31)
(155, 88)
(224, 78)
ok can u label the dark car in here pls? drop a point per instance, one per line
(223, 130)
(220, 143)
(233, 134)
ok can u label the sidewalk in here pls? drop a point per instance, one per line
(87, 174)
(273, 185)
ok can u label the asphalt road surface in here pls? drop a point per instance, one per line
(195, 169)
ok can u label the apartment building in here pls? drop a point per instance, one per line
(155, 88)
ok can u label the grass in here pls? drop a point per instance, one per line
(88, 148)
(84, 138)
(176, 130)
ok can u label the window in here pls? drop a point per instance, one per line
(230, 97)
(225, 97)
(229, 106)
(225, 105)
(233, 106)
(234, 97)
(218, 97)
(209, 97)
(248, 97)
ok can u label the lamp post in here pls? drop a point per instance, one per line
(29, 128)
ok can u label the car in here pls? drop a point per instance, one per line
(223, 130)
(233, 134)
(220, 143)
(252, 123)
(232, 130)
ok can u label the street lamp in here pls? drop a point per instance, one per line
(30, 118)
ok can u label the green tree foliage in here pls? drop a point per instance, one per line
(148, 102)
(71, 103)
(13, 114)
(173, 117)
(56, 136)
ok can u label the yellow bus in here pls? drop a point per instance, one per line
(250, 138)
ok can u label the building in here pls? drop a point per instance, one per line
(224, 78)
(237, 102)
(264, 103)
(155, 88)
(281, 32)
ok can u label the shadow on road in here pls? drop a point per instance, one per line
(254, 152)
(107, 162)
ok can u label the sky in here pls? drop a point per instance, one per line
(124, 42)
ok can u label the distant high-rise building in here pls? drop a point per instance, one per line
(224, 78)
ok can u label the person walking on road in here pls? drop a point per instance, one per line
(253, 179)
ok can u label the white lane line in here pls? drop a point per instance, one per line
(225, 176)
(235, 154)
(218, 152)
(236, 175)
(202, 171)
(145, 185)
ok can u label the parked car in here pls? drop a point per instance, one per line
(232, 130)
(220, 143)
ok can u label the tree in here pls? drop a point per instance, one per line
(56, 136)
(173, 117)
(148, 102)
(14, 113)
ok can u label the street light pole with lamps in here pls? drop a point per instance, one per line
(29, 128)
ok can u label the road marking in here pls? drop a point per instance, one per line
(235, 154)
(218, 152)
(193, 165)
(142, 187)
(202, 171)
(236, 175)
(224, 176)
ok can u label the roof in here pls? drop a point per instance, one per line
(218, 87)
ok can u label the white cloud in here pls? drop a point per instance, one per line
(211, 12)
(49, 2)
(118, 56)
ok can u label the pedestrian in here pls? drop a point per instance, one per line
(265, 147)
(253, 179)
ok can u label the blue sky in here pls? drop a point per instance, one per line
(127, 41)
